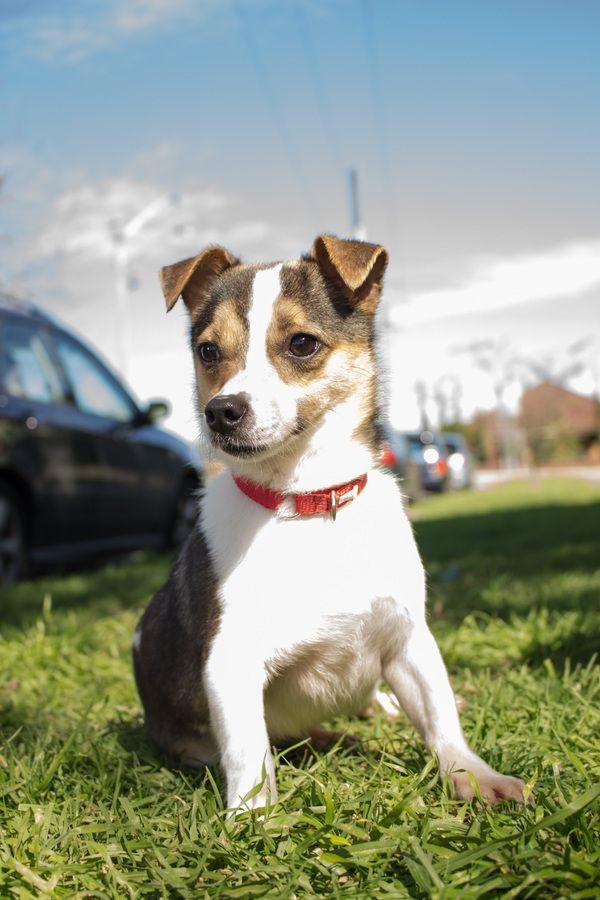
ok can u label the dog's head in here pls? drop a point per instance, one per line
(278, 347)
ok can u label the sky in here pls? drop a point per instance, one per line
(474, 128)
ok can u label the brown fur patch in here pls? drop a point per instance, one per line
(228, 330)
(192, 277)
(311, 305)
(349, 372)
(356, 266)
(290, 318)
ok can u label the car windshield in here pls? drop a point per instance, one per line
(415, 447)
(27, 370)
(94, 390)
(452, 445)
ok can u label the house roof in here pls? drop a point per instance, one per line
(547, 403)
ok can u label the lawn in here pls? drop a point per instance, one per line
(88, 808)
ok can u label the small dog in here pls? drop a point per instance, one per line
(301, 585)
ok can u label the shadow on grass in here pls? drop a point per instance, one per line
(132, 738)
(578, 647)
(519, 541)
(517, 562)
(100, 591)
(502, 563)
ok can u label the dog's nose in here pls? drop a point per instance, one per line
(224, 413)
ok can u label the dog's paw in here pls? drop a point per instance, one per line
(491, 786)
(261, 796)
(472, 778)
(260, 803)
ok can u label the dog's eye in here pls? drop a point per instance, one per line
(303, 345)
(208, 352)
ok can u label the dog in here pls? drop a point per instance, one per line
(301, 585)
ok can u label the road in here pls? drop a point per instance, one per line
(485, 478)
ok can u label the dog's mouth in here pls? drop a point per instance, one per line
(238, 448)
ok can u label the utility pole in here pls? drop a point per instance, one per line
(122, 237)
(358, 229)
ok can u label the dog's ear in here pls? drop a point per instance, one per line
(355, 267)
(190, 278)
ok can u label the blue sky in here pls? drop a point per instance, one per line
(474, 127)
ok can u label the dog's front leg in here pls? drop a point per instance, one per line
(416, 673)
(234, 687)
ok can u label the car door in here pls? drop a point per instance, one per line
(57, 461)
(131, 483)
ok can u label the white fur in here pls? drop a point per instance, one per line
(347, 609)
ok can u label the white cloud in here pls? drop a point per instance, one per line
(147, 160)
(72, 32)
(90, 219)
(69, 41)
(566, 271)
(136, 15)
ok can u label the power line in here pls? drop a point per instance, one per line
(387, 190)
(318, 83)
(288, 146)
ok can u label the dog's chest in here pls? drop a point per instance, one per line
(286, 583)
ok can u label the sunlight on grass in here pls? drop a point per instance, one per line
(88, 808)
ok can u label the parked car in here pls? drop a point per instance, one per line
(460, 459)
(83, 468)
(430, 457)
(397, 458)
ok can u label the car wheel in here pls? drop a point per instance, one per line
(186, 513)
(13, 546)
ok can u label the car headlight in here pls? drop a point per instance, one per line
(431, 455)
(456, 461)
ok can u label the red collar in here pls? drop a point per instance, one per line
(314, 503)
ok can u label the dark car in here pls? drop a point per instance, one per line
(83, 469)
(430, 457)
(397, 458)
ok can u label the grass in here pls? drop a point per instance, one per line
(88, 809)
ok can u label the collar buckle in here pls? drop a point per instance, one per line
(336, 501)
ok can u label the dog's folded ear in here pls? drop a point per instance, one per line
(191, 277)
(355, 267)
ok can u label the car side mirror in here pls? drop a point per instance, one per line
(156, 410)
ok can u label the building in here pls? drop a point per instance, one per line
(560, 425)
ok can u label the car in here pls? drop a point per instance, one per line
(397, 459)
(84, 469)
(460, 459)
(428, 454)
